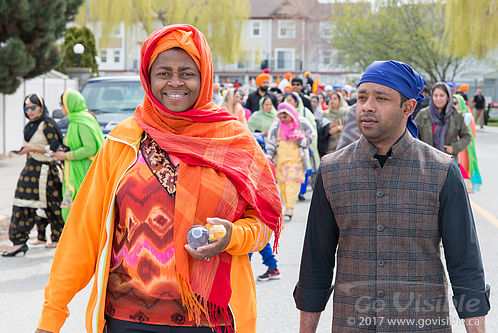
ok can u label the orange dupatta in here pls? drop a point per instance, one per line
(205, 137)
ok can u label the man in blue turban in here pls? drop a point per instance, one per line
(380, 209)
(400, 77)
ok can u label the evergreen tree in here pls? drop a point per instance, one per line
(28, 32)
(85, 37)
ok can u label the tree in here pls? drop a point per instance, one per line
(219, 20)
(472, 26)
(28, 32)
(85, 37)
(408, 31)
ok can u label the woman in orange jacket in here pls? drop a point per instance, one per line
(180, 161)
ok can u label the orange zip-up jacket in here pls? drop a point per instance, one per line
(85, 246)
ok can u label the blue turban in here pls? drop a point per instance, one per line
(451, 84)
(400, 77)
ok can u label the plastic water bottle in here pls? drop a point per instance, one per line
(197, 236)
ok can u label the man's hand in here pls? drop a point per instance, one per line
(475, 325)
(449, 149)
(211, 250)
(309, 322)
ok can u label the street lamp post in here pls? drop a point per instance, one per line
(78, 49)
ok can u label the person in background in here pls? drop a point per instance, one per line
(380, 210)
(217, 98)
(317, 106)
(468, 157)
(461, 91)
(452, 86)
(350, 131)
(298, 88)
(328, 92)
(261, 120)
(278, 94)
(440, 125)
(180, 161)
(83, 138)
(426, 92)
(321, 97)
(479, 103)
(240, 96)
(294, 100)
(263, 83)
(259, 124)
(287, 147)
(336, 113)
(285, 81)
(38, 192)
(308, 88)
(233, 106)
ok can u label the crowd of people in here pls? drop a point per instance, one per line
(390, 170)
(331, 109)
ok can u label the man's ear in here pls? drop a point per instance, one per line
(408, 107)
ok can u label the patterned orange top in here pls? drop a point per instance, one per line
(142, 284)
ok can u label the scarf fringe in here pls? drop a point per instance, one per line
(216, 315)
(190, 301)
(219, 316)
(278, 231)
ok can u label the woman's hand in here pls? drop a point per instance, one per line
(60, 155)
(213, 249)
(449, 149)
(28, 149)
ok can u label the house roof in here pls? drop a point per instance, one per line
(264, 8)
(308, 9)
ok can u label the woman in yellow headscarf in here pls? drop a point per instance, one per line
(180, 161)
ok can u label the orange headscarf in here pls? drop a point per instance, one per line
(261, 77)
(288, 75)
(205, 137)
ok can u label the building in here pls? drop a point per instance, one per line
(282, 35)
(286, 36)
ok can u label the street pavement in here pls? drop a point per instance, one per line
(22, 279)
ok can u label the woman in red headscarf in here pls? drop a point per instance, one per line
(180, 161)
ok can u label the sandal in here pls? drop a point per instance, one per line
(52, 245)
(37, 242)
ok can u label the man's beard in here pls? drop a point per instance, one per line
(263, 88)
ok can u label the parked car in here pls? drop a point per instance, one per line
(110, 99)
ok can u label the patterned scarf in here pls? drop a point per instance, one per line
(440, 119)
(216, 152)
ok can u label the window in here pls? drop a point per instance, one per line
(327, 55)
(286, 29)
(285, 59)
(256, 29)
(103, 55)
(326, 30)
(117, 55)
